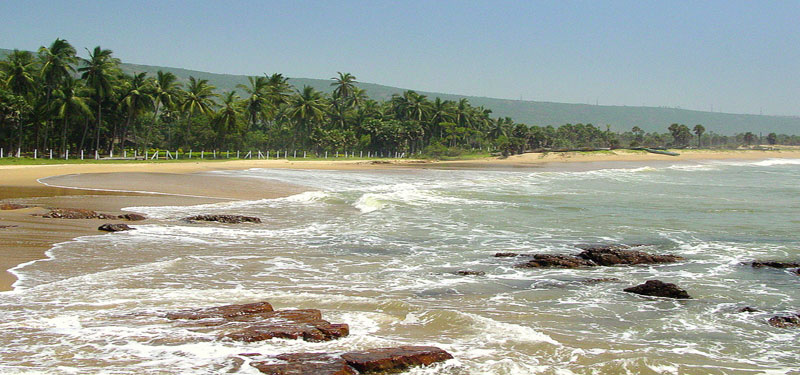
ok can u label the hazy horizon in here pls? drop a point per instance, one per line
(736, 57)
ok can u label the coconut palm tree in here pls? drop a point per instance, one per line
(166, 91)
(228, 115)
(56, 64)
(256, 101)
(306, 108)
(19, 72)
(199, 98)
(70, 101)
(699, 130)
(99, 71)
(136, 98)
(345, 85)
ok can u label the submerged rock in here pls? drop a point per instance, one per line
(785, 321)
(225, 312)
(7, 226)
(76, 213)
(610, 256)
(115, 227)
(601, 280)
(505, 255)
(658, 288)
(12, 206)
(556, 261)
(470, 273)
(747, 309)
(132, 217)
(774, 264)
(228, 219)
(290, 324)
(305, 364)
(395, 359)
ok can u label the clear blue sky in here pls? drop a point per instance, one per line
(739, 56)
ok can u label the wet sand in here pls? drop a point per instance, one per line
(110, 187)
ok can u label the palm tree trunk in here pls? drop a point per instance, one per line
(64, 134)
(99, 121)
(85, 131)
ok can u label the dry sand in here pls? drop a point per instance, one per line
(110, 187)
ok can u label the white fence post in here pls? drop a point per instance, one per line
(326, 154)
(81, 154)
(304, 154)
(66, 155)
(202, 154)
(34, 153)
(96, 155)
(215, 153)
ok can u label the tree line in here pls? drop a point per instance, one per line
(55, 100)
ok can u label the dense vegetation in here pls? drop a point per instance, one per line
(56, 100)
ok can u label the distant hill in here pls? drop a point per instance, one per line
(621, 118)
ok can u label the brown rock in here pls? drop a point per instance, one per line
(609, 256)
(7, 226)
(131, 217)
(747, 309)
(305, 364)
(505, 255)
(228, 219)
(76, 213)
(12, 206)
(600, 280)
(774, 264)
(115, 227)
(658, 288)
(470, 273)
(556, 261)
(225, 312)
(289, 324)
(786, 321)
(395, 359)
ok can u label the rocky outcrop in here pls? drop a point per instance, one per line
(12, 206)
(305, 364)
(555, 261)
(224, 312)
(132, 217)
(115, 227)
(289, 324)
(76, 213)
(395, 359)
(613, 255)
(658, 288)
(785, 321)
(774, 264)
(382, 360)
(470, 273)
(227, 219)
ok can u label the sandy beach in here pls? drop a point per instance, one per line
(110, 187)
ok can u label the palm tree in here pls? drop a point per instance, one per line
(56, 61)
(98, 71)
(256, 99)
(165, 91)
(345, 85)
(699, 130)
(199, 98)
(136, 99)
(306, 107)
(69, 101)
(19, 72)
(440, 112)
(227, 116)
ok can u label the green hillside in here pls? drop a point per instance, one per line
(620, 118)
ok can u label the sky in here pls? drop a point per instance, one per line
(729, 56)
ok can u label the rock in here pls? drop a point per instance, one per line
(289, 324)
(395, 359)
(228, 219)
(797, 272)
(7, 226)
(76, 213)
(774, 264)
(12, 206)
(470, 273)
(505, 255)
(305, 364)
(747, 309)
(555, 261)
(658, 288)
(609, 256)
(115, 227)
(131, 217)
(603, 246)
(601, 280)
(785, 321)
(225, 312)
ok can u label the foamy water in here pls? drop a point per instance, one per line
(378, 250)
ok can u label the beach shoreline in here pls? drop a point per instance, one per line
(111, 187)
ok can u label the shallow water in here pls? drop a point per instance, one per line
(377, 250)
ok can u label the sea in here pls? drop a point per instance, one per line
(380, 250)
